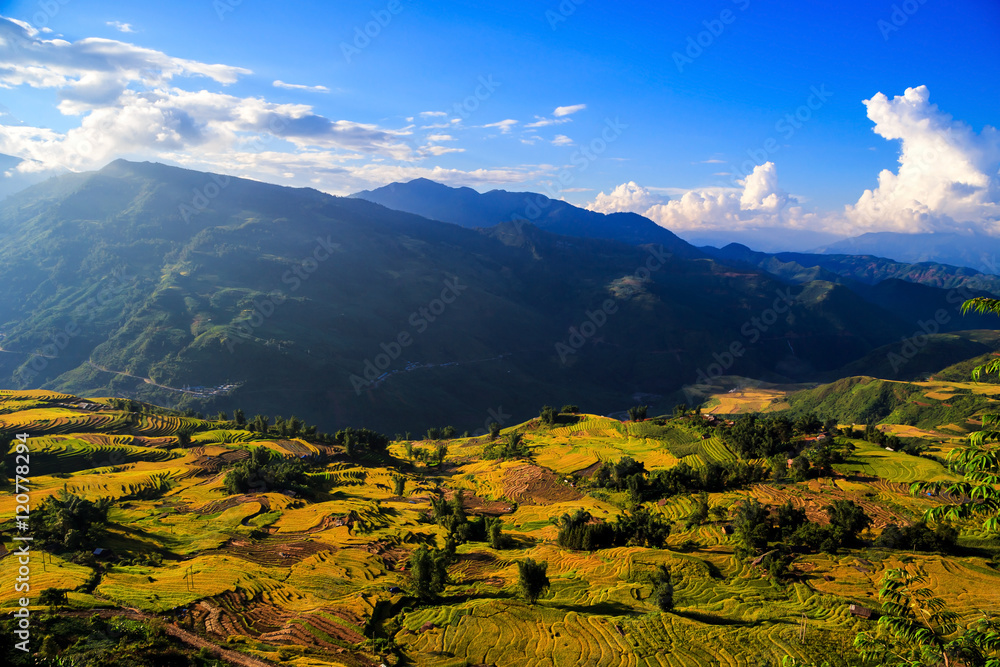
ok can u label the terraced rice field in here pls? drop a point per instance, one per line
(742, 401)
(893, 466)
(309, 574)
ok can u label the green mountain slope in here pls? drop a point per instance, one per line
(864, 399)
(204, 291)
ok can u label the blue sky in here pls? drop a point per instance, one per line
(691, 117)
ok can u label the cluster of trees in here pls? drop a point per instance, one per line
(713, 476)
(354, 439)
(67, 522)
(549, 416)
(293, 427)
(877, 437)
(130, 405)
(429, 567)
(451, 515)
(754, 527)
(582, 532)
(918, 537)
(637, 413)
(428, 455)
(58, 639)
(814, 461)
(754, 436)
(631, 475)
(702, 510)
(443, 433)
(512, 446)
(429, 574)
(265, 470)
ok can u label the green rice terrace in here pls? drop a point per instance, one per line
(681, 540)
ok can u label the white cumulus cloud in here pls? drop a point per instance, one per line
(759, 203)
(627, 197)
(947, 178)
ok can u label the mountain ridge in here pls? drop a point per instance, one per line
(278, 298)
(469, 208)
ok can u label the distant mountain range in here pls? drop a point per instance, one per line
(975, 251)
(12, 181)
(468, 208)
(799, 267)
(211, 292)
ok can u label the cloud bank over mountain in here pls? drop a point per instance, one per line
(115, 99)
(145, 104)
(947, 180)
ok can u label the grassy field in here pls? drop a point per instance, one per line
(270, 572)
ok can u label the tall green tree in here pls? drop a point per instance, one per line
(67, 522)
(751, 527)
(548, 415)
(848, 518)
(663, 589)
(494, 533)
(637, 412)
(532, 579)
(428, 572)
